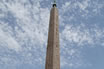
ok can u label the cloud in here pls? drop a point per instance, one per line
(90, 36)
(24, 31)
(74, 38)
(7, 40)
(26, 34)
(78, 30)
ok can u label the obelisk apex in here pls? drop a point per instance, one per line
(54, 4)
(53, 48)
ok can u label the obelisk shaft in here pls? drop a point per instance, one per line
(53, 49)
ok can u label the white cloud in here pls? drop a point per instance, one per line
(29, 35)
(74, 38)
(84, 4)
(7, 40)
(83, 8)
(74, 34)
(29, 32)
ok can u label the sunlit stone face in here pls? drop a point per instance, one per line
(53, 55)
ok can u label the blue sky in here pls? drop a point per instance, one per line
(24, 32)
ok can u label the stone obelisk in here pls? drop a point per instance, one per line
(53, 48)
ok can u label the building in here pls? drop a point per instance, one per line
(53, 47)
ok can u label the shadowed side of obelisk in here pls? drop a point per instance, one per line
(53, 50)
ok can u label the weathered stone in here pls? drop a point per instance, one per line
(53, 49)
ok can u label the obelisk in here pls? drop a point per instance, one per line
(53, 48)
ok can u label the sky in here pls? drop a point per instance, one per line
(24, 31)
